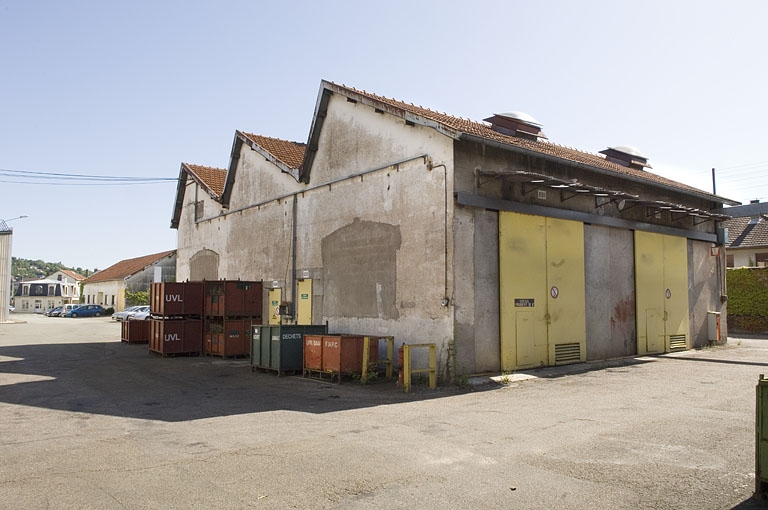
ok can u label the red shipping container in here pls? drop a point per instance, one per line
(313, 352)
(176, 336)
(228, 337)
(176, 298)
(343, 354)
(135, 332)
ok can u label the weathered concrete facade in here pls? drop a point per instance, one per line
(392, 212)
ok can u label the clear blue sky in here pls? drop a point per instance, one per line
(136, 88)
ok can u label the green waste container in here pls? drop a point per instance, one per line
(280, 348)
(761, 438)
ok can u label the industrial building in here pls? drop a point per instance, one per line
(505, 249)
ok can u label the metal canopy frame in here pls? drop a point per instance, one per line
(532, 181)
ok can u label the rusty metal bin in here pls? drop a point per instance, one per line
(280, 348)
(174, 337)
(135, 332)
(313, 353)
(176, 299)
(227, 337)
(234, 298)
(343, 354)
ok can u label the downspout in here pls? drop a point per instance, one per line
(446, 299)
(294, 237)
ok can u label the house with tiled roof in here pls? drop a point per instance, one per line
(503, 248)
(747, 241)
(108, 286)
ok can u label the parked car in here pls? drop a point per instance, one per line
(140, 315)
(54, 312)
(69, 307)
(86, 311)
(123, 315)
(11, 308)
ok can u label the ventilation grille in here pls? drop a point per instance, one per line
(677, 343)
(567, 353)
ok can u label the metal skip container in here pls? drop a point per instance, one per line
(280, 348)
(227, 337)
(234, 298)
(343, 355)
(135, 332)
(169, 299)
(175, 337)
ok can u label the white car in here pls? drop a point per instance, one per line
(128, 313)
(11, 308)
(140, 315)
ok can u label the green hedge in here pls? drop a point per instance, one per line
(748, 291)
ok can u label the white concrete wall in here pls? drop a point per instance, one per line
(745, 257)
(109, 288)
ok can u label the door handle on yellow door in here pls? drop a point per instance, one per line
(548, 318)
(666, 315)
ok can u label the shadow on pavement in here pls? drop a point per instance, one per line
(751, 503)
(119, 379)
(711, 360)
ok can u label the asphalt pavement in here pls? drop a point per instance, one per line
(89, 422)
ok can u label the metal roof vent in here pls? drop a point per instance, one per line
(626, 155)
(517, 124)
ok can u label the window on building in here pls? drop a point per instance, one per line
(199, 210)
(729, 260)
(25, 290)
(51, 290)
(761, 259)
(113, 300)
(25, 305)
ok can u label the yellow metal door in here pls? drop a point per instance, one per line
(275, 297)
(661, 291)
(677, 323)
(304, 302)
(649, 291)
(522, 289)
(542, 291)
(566, 292)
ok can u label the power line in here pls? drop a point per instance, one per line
(72, 179)
(137, 183)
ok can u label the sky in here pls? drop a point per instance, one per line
(133, 89)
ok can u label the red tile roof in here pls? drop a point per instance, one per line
(76, 276)
(289, 153)
(482, 130)
(126, 268)
(212, 178)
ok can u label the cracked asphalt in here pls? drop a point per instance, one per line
(89, 422)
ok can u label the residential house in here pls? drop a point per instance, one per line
(57, 289)
(506, 250)
(108, 287)
(747, 240)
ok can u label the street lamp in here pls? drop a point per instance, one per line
(3, 222)
(6, 235)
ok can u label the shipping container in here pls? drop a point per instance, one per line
(135, 332)
(227, 337)
(169, 299)
(280, 348)
(172, 337)
(234, 298)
